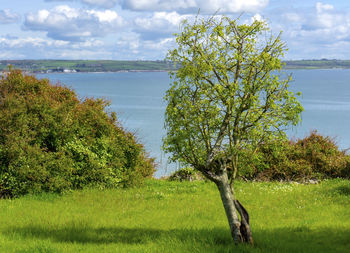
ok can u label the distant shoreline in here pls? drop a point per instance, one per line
(99, 72)
(109, 66)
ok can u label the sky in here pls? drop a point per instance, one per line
(143, 29)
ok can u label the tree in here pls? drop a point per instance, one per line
(226, 99)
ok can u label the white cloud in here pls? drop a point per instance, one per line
(313, 31)
(190, 6)
(161, 45)
(101, 3)
(256, 17)
(160, 24)
(160, 19)
(159, 5)
(8, 17)
(292, 17)
(17, 43)
(11, 55)
(327, 24)
(21, 42)
(107, 4)
(129, 44)
(325, 16)
(66, 23)
(187, 6)
(39, 48)
(320, 7)
(135, 48)
(105, 16)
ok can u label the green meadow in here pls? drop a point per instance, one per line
(164, 216)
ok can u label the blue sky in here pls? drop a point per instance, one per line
(142, 29)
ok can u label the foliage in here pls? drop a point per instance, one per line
(224, 98)
(185, 174)
(314, 157)
(52, 141)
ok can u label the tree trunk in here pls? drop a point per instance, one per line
(228, 202)
(246, 233)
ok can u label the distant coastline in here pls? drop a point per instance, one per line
(76, 66)
(317, 64)
(103, 66)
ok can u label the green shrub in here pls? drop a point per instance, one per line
(52, 141)
(315, 156)
(185, 174)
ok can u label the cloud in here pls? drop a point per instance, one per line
(39, 48)
(320, 7)
(101, 3)
(128, 47)
(256, 17)
(160, 5)
(129, 44)
(70, 24)
(134, 47)
(292, 17)
(314, 31)
(192, 6)
(182, 6)
(326, 24)
(159, 25)
(6, 42)
(8, 17)
(107, 4)
(16, 43)
(325, 16)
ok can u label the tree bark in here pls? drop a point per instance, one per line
(246, 233)
(228, 201)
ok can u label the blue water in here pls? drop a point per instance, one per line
(137, 97)
(326, 101)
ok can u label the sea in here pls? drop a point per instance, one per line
(137, 98)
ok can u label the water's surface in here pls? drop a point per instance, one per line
(138, 100)
(326, 100)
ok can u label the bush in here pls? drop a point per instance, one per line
(52, 141)
(314, 157)
(186, 174)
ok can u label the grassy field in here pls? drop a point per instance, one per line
(179, 217)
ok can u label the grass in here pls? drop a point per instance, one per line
(179, 217)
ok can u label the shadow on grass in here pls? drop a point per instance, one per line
(89, 235)
(343, 190)
(303, 239)
(297, 239)
(103, 235)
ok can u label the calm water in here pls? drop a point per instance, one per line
(138, 100)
